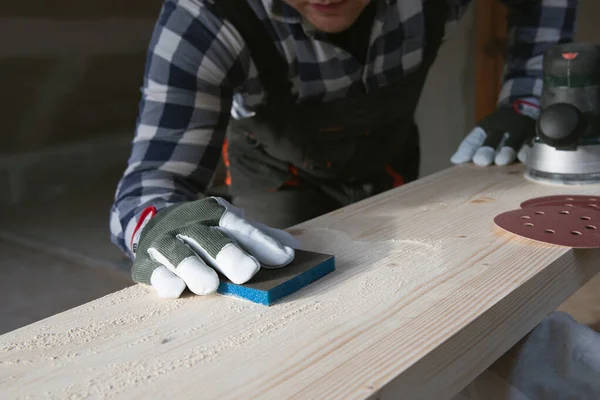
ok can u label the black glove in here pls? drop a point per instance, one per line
(501, 136)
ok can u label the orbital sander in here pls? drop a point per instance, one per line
(566, 149)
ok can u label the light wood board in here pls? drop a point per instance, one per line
(427, 294)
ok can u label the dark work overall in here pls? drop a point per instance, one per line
(292, 162)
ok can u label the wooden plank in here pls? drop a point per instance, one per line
(490, 47)
(426, 295)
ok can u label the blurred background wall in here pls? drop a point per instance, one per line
(70, 72)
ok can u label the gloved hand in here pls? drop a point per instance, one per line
(502, 136)
(183, 244)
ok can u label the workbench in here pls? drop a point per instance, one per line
(427, 294)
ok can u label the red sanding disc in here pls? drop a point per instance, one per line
(567, 203)
(563, 226)
(564, 200)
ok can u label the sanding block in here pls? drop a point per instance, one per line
(270, 285)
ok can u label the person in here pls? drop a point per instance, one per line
(311, 104)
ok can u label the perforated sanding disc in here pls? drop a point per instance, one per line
(564, 226)
(567, 203)
(566, 200)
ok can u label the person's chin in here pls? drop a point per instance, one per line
(330, 23)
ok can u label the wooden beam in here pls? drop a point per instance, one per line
(490, 45)
(427, 294)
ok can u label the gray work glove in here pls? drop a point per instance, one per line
(501, 137)
(183, 244)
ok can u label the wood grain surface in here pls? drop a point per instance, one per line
(427, 294)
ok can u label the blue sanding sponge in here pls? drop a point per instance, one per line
(270, 285)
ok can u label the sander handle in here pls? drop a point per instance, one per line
(561, 125)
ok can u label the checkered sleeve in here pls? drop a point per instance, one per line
(534, 26)
(192, 66)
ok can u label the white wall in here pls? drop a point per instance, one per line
(446, 111)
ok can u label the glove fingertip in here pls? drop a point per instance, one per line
(166, 284)
(484, 156)
(523, 154)
(236, 264)
(459, 158)
(283, 257)
(505, 156)
(199, 277)
(469, 146)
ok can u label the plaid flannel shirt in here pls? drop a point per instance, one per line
(199, 73)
